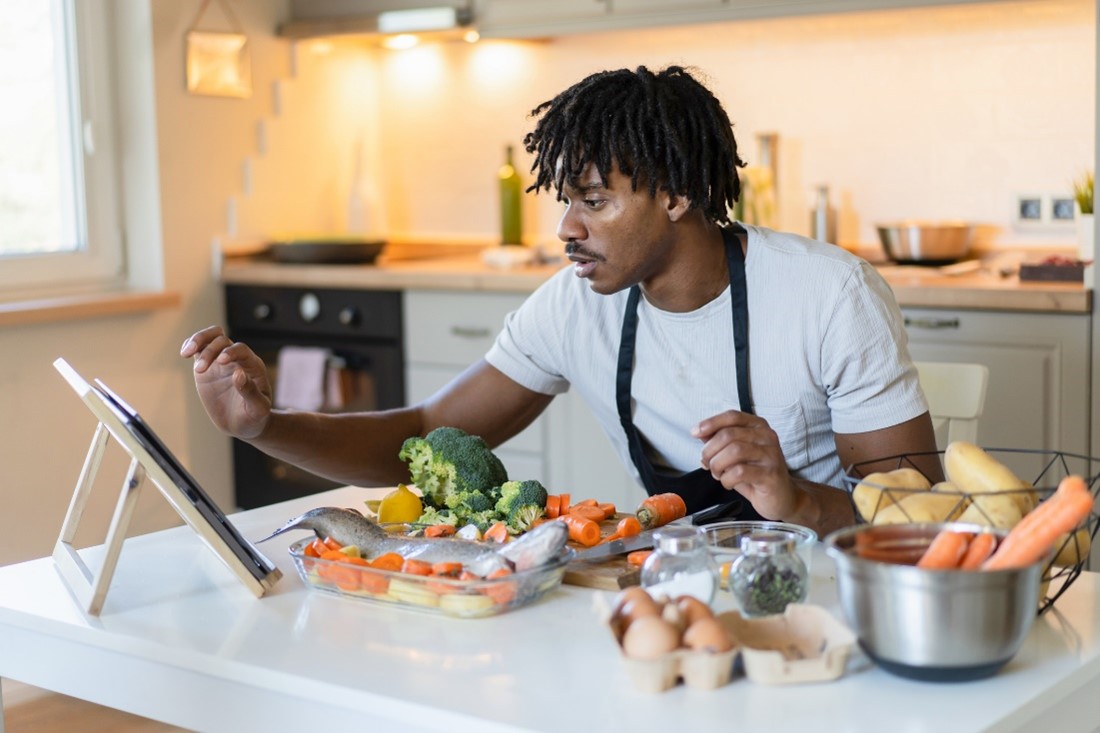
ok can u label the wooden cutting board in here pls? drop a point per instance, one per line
(612, 574)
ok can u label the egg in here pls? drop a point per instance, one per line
(708, 635)
(635, 603)
(692, 609)
(650, 637)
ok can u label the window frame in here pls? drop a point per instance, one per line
(100, 262)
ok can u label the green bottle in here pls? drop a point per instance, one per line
(511, 192)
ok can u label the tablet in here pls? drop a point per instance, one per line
(181, 489)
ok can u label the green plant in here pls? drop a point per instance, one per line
(1082, 191)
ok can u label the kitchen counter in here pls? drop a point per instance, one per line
(182, 641)
(984, 289)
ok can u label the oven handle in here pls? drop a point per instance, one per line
(469, 332)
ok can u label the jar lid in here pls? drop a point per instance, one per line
(680, 538)
(767, 544)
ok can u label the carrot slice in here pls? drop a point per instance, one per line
(609, 510)
(627, 527)
(582, 531)
(587, 502)
(389, 561)
(563, 504)
(638, 557)
(553, 506)
(497, 533)
(452, 569)
(412, 566)
(439, 530)
(588, 512)
(502, 592)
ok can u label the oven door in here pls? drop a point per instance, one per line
(357, 377)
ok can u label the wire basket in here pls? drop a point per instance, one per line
(1047, 468)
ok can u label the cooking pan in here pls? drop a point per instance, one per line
(926, 242)
(325, 250)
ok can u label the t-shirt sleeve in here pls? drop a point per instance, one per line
(870, 379)
(530, 347)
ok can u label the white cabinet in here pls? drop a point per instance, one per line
(535, 18)
(1038, 394)
(565, 448)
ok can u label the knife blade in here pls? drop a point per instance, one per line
(645, 539)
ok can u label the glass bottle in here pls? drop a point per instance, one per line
(768, 575)
(680, 565)
(511, 194)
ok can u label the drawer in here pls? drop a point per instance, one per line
(453, 328)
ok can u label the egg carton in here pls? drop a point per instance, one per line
(805, 643)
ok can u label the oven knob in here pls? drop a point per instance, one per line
(309, 307)
(262, 312)
(349, 316)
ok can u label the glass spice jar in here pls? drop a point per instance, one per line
(680, 565)
(768, 575)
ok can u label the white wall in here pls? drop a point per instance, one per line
(943, 112)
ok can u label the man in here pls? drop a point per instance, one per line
(724, 361)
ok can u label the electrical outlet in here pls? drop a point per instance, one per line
(1062, 209)
(1028, 209)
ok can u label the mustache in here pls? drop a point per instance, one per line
(572, 248)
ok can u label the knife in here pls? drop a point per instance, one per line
(644, 540)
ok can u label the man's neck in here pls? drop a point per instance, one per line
(696, 275)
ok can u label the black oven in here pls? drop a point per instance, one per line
(358, 336)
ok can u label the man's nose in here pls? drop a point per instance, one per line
(569, 227)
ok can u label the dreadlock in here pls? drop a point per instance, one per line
(665, 129)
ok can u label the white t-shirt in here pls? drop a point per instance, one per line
(827, 354)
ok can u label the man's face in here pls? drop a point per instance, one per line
(617, 237)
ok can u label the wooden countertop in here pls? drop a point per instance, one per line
(914, 287)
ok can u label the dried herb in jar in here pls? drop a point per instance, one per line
(767, 576)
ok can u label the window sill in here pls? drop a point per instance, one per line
(79, 307)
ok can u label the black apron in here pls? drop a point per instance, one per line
(698, 488)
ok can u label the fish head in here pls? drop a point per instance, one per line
(536, 547)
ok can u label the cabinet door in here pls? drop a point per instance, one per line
(1037, 397)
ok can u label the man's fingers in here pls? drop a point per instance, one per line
(199, 340)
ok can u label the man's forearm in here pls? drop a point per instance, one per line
(822, 508)
(353, 448)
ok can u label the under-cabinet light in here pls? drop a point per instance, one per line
(418, 19)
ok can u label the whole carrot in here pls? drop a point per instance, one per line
(1036, 533)
(945, 551)
(979, 550)
(660, 509)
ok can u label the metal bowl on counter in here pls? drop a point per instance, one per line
(935, 625)
(926, 243)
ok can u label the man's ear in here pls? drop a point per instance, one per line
(677, 206)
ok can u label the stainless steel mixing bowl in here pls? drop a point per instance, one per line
(926, 242)
(940, 625)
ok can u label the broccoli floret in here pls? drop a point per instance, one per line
(449, 461)
(432, 515)
(523, 517)
(469, 501)
(521, 503)
(483, 520)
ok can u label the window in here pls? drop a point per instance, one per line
(59, 193)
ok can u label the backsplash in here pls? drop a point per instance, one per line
(937, 113)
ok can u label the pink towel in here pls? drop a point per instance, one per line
(300, 382)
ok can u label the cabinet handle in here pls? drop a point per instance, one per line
(468, 332)
(932, 323)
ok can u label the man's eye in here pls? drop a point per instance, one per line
(593, 203)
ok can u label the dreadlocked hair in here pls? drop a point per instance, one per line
(663, 129)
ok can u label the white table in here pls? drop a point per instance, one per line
(182, 641)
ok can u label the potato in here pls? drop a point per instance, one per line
(976, 472)
(1000, 511)
(870, 498)
(929, 506)
(1072, 548)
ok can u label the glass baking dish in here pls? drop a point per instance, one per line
(429, 593)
